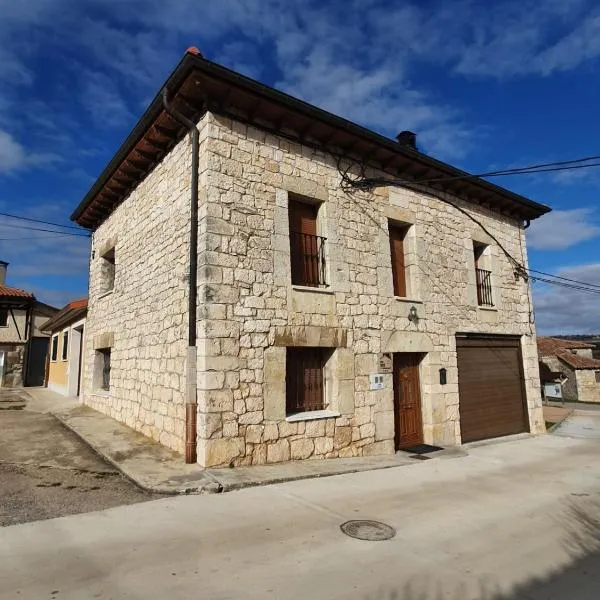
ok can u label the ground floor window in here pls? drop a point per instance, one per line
(305, 389)
(102, 369)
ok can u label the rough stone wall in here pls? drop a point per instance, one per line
(587, 387)
(252, 312)
(144, 319)
(14, 355)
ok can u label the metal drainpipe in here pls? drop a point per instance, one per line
(191, 402)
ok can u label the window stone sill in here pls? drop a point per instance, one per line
(101, 393)
(407, 300)
(490, 308)
(313, 415)
(317, 290)
(105, 294)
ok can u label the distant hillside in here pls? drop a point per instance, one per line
(593, 339)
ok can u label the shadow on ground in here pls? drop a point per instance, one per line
(578, 580)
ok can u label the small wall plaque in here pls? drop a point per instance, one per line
(376, 381)
(385, 363)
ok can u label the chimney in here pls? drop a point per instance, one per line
(408, 139)
(3, 268)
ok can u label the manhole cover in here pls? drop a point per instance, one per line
(372, 531)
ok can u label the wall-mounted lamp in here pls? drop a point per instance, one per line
(443, 376)
(413, 316)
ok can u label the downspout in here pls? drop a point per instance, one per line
(191, 402)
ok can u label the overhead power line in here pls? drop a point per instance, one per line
(593, 285)
(32, 220)
(14, 225)
(537, 168)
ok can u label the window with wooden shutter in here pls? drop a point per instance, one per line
(397, 237)
(305, 388)
(307, 249)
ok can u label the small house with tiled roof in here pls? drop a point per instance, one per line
(576, 362)
(66, 328)
(23, 346)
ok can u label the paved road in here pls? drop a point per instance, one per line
(46, 471)
(514, 520)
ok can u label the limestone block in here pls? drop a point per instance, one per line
(274, 384)
(315, 428)
(222, 451)
(323, 445)
(377, 448)
(384, 425)
(342, 437)
(301, 449)
(278, 451)
(254, 434)
(271, 432)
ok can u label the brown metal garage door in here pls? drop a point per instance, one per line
(490, 381)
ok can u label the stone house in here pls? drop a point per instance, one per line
(281, 315)
(575, 361)
(67, 334)
(23, 345)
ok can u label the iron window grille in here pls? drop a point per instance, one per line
(308, 259)
(484, 287)
(305, 389)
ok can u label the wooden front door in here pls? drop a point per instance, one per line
(407, 400)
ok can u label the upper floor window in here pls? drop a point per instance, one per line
(307, 249)
(483, 274)
(54, 353)
(65, 345)
(398, 254)
(597, 373)
(3, 317)
(107, 270)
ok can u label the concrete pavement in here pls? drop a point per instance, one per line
(157, 469)
(514, 520)
(46, 471)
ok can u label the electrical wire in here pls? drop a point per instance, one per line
(539, 168)
(2, 214)
(566, 285)
(86, 235)
(593, 285)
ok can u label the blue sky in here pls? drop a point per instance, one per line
(484, 84)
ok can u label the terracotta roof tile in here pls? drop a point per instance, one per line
(579, 362)
(15, 292)
(549, 346)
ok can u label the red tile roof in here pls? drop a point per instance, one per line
(14, 292)
(579, 362)
(71, 312)
(549, 346)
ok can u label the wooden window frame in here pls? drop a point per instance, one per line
(305, 366)
(65, 345)
(397, 234)
(307, 247)
(54, 348)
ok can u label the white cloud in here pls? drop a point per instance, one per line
(12, 154)
(561, 310)
(102, 99)
(562, 229)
